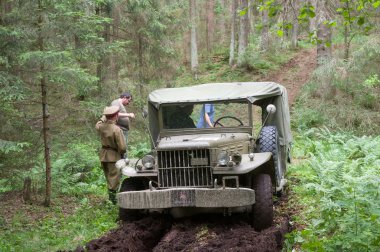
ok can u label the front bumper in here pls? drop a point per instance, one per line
(187, 197)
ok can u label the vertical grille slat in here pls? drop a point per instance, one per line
(184, 168)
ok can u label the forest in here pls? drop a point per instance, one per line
(62, 62)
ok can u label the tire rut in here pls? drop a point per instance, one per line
(158, 232)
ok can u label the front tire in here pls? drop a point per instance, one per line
(263, 208)
(129, 185)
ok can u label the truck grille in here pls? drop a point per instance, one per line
(184, 168)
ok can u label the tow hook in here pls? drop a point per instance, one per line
(236, 178)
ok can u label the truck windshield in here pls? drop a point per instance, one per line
(207, 115)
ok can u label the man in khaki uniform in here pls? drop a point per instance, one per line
(113, 149)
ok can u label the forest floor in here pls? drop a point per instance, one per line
(214, 232)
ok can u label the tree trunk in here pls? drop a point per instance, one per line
(233, 25)
(45, 112)
(265, 30)
(193, 37)
(295, 26)
(222, 23)
(243, 33)
(99, 65)
(141, 64)
(27, 190)
(313, 21)
(186, 47)
(5, 7)
(324, 53)
(210, 5)
(346, 43)
(347, 40)
(324, 36)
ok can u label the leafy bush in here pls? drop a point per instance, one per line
(76, 171)
(357, 77)
(340, 181)
(139, 150)
(79, 157)
(306, 118)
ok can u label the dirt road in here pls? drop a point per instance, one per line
(213, 233)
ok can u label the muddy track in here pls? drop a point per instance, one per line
(201, 233)
(213, 232)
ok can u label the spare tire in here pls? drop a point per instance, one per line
(269, 142)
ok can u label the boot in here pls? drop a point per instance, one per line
(112, 196)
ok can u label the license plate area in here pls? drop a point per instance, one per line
(183, 198)
(199, 161)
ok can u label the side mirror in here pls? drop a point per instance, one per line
(145, 113)
(271, 109)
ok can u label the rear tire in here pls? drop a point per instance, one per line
(263, 208)
(129, 185)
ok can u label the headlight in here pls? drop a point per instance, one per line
(223, 158)
(148, 161)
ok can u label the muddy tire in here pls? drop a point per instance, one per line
(263, 208)
(128, 185)
(269, 142)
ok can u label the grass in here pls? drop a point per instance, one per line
(58, 230)
(79, 210)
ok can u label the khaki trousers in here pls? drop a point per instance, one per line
(112, 174)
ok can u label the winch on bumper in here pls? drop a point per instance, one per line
(187, 197)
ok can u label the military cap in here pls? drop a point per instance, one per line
(111, 110)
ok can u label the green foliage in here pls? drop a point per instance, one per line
(306, 118)
(156, 27)
(139, 150)
(340, 180)
(58, 231)
(349, 90)
(75, 171)
(356, 15)
(78, 171)
(7, 146)
(306, 12)
(372, 81)
(262, 62)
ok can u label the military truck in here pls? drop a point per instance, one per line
(235, 166)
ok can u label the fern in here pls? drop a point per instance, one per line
(340, 181)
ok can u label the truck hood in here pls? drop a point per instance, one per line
(201, 141)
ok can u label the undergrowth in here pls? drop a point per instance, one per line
(336, 184)
(77, 176)
(58, 231)
(344, 93)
